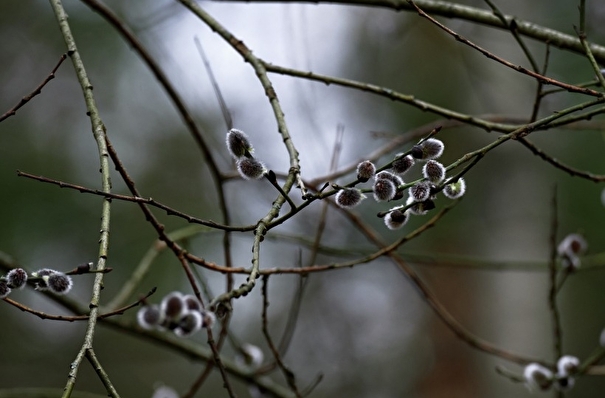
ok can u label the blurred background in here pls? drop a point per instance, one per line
(366, 329)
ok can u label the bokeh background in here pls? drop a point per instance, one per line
(365, 329)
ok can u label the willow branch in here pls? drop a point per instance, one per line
(586, 46)
(261, 73)
(72, 318)
(393, 95)
(467, 13)
(288, 374)
(98, 130)
(137, 199)
(552, 267)
(518, 68)
(96, 364)
(37, 91)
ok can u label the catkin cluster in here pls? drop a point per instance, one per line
(179, 313)
(540, 378)
(241, 150)
(45, 279)
(388, 185)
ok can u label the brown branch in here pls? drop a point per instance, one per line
(438, 308)
(197, 384)
(525, 71)
(552, 267)
(288, 374)
(178, 251)
(72, 318)
(463, 12)
(135, 199)
(556, 163)
(37, 91)
(197, 135)
(539, 90)
(246, 53)
(176, 99)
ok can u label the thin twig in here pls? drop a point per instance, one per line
(67, 318)
(582, 35)
(135, 199)
(288, 374)
(197, 384)
(552, 267)
(286, 338)
(187, 348)
(217, 91)
(176, 99)
(96, 364)
(144, 265)
(438, 308)
(525, 71)
(270, 176)
(178, 102)
(224, 333)
(524, 131)
(393, 95)
(472, 14)
(512, 26)
(558, 164)
(218, 361)
(591, 263)
(514, 377)
(294, 311)
(178, 251)
(539, 89)
(314, 383)
(37, 90)
(261, 73)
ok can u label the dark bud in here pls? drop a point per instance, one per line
(189, 323)
(173, 306)
(384, 190)
(421, 191)
(349, 197)
(433, 171)
(58, 283)
(396, 219)
(209, 319)
(398, 195)
(150, 317)
(250, 168)
(387, 175)
(16, 278)
(84, 268)
(192, 303)
(417, 152)
(365, 170)
(428, 204)
(42, 284)
(5, 290)
(402, 164)
(238, 144)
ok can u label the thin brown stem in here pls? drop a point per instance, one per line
(37, 91)
(288, 374)
(518, 68)
(72, 318)
(552, 267)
